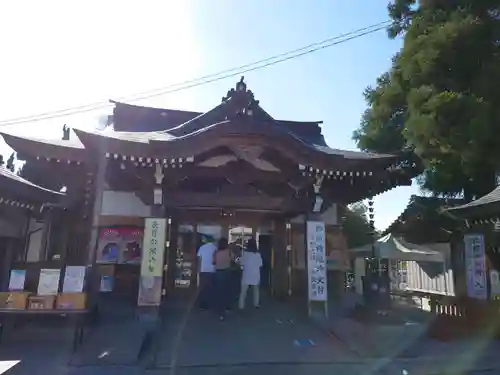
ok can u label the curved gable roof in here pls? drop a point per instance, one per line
(16, 187)
(72, 149)
(129, 117)
(238, 116)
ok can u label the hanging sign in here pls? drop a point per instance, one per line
(150, 284)
(316, 261)
(154, 247)
(475, 263)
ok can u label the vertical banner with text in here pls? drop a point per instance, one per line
(475, 263)
(316, 261)
(150, 284)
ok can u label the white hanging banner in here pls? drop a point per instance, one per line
(150, 284)
(475, 264)
(316, 261)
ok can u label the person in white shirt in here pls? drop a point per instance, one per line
(251, 262)
(206, 271)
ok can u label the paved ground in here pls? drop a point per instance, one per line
(275, 339)
(36, 349)
(272, 334)
(395, 368)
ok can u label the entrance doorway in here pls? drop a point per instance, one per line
(190, 237)
(238, 235)
(265, 242)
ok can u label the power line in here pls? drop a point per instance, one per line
(205, 79)
(214, 77)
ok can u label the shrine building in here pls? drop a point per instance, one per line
(233, 171)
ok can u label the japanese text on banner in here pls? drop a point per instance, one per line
(316, 261)
(154, 247)
(475, 261)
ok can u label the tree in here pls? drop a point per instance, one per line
(356, 228)
(10, 162)
(441, 96)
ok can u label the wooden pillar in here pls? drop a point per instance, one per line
(95, 181)
(99, 181)
(9, 251)
(47, 226)
(26, 237)
(280, 267)
(66, 226)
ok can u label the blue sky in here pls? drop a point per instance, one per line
(66, 55)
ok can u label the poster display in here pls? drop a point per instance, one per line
(121, 245)
(316, 261)
(475, 264)
(17, 280)
(186, 256)
(74, 277)
(336, 250)
(150, 283)
(48, 283)
(106, 284)
(107, 280)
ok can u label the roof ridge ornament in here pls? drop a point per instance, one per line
(10, 162)
(66, 133)
(241, 100)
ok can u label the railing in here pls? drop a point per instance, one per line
(453, 317)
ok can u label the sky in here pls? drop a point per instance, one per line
(64, 54)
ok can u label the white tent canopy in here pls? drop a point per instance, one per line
(390, 247)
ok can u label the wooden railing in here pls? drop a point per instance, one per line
(453, 317)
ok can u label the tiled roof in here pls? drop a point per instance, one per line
(14, 178)
(239, 114)
(72, 143)
(488, 199)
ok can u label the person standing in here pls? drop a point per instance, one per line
(206, 271)
(235, 282)
(251, 261)
(223, 259)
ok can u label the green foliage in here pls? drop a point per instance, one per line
(425, 220)
(356, 228)
(441, 96)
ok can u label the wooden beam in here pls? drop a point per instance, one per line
(239, 172)
(222, 201)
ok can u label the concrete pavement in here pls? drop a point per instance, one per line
(273, 334)
(401, 340)
(275, 339)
